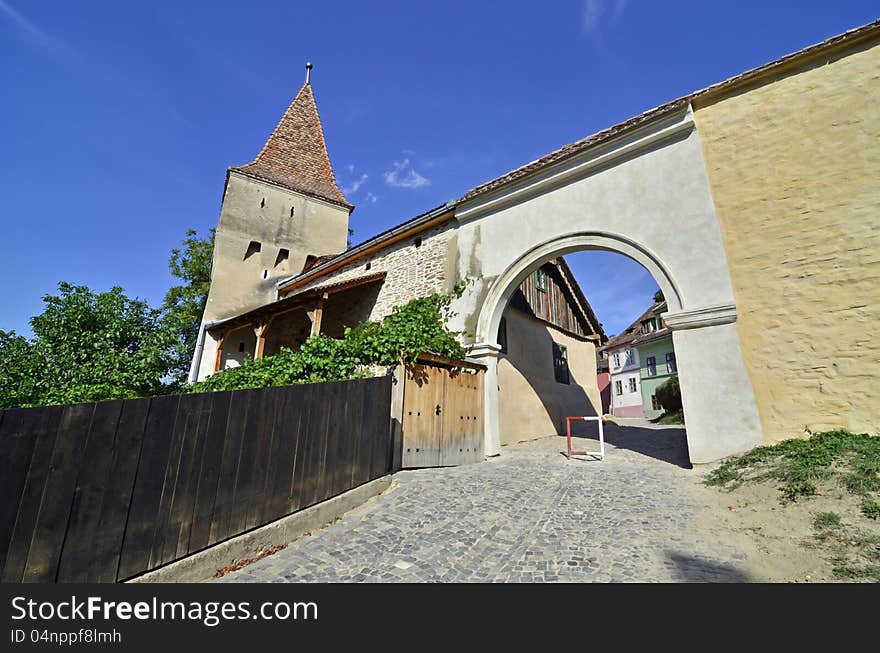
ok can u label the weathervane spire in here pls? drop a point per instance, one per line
(308, 70)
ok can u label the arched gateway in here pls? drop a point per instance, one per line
(647, 197)
(751, 245)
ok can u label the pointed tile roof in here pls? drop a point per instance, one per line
(295, 155)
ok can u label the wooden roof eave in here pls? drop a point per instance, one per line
(291, 303)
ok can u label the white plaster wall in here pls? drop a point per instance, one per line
(646, 196)
(712, 374)
(659, 200)
(614, 369)
(627, 398)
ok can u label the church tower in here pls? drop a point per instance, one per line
(282, 207)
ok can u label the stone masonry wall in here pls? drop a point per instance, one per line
(794, 167)
(412, 271)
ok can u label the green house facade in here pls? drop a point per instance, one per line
(657, 358)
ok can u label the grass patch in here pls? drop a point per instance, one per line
(670, 418)
(826, 520)
(852, 572)
(871, 508)
(851, 458)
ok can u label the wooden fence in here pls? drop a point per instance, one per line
(106, 491)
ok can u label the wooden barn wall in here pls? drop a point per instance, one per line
(553, 305)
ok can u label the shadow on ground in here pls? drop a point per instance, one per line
(665, 444)
(696, 570)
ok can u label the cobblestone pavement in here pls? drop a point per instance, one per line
(529, 515)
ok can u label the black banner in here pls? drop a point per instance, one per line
(240, 617)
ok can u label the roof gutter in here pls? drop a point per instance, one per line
(200, 347)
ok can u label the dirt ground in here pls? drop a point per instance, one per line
(782, 540)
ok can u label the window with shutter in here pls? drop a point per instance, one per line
(560, 363)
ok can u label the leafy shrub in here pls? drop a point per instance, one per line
(412, 329)
(669, 395)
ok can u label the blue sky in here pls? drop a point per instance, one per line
(119, 119)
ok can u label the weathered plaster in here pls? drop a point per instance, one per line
(253, 210)
(532, 403)
(794, 164)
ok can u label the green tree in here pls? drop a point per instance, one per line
(86, 347)
(658, 296)
(184, 304)
(19, 366)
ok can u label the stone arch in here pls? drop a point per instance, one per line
(505, 285)
(704, 337)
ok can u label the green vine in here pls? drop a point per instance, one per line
(410, 330)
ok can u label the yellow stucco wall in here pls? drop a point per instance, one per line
(531, 403)
(794, 166)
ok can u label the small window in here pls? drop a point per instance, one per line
(253, 248)
(670, 362)
(283, 255)
(652, 365)
(541, 280)
(618, 388)
(617, 359)
(560, 363)
(632, 384)
(502, 335)
(368, 265)
(241, 347)
(265, 273)
(418, 242)
(292, 211)
(629, 357)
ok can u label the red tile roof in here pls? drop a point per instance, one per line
(632, 335)
(295, 155)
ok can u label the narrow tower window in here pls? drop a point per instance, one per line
(263, 203)
(253, 247)
(283, 255)
(418, 242)
(265, 273)
(292, 211)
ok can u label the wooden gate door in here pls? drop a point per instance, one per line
(442, 420)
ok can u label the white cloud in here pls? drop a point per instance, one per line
(43, 40)
(595, 10)
(353, 186)
(372, 199)
(350, 168)
(403, 176)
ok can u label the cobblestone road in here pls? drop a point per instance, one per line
(528, 515)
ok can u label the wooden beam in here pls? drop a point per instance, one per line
(316, 314)
(260, 332)
(261, 343)
(449, 362)
(219, 351)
